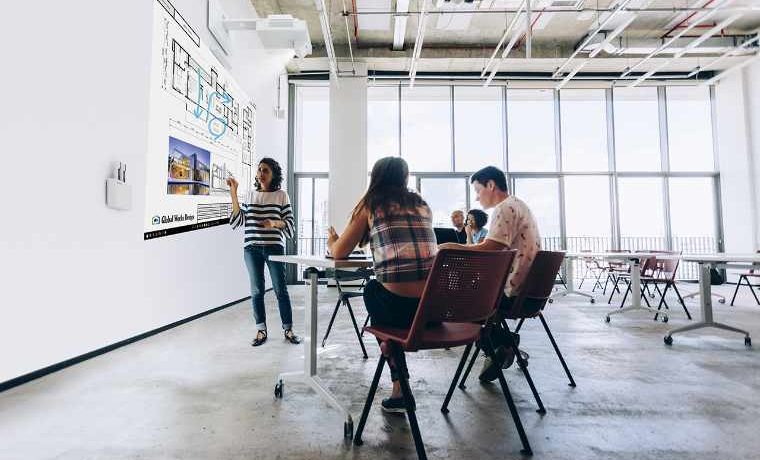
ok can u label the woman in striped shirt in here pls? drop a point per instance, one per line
(398, 225)
(268, 219)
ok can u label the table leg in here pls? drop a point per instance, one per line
(636, 295)
(570, 281)
(309, 374)
(705, 304)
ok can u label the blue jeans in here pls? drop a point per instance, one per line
(255, 257)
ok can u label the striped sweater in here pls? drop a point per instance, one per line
(259, 207)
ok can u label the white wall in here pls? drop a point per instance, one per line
(348, 146)
(738, 119)
(75, 275)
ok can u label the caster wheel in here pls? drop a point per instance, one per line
(551, 300)
(664, 319)
(747, 341)
(607, 319)
(668, 340)
(722, 301)
(278, 390)
(348, 430)
(593, 300)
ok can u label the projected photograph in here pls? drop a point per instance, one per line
(189, 172)
(219, 175)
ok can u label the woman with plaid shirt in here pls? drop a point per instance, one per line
(398, 225)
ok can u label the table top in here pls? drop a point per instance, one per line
(620, 255)
(747, 258)
(322, 262)
(709, 257)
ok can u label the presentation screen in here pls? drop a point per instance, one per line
(201, 131)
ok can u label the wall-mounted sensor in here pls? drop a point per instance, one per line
(118, 192)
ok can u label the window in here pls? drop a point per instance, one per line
(587, 213)
(642, 216)
(542, 197)
(444, 196)
(637, 129)
(312, 146)
(530, 123)
(312, 212)
(690, 139)
(426, 128)
(692, 207)
(583, 118)
(479, 127)
(382, 123)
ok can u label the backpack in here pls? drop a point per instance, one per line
(716, 277)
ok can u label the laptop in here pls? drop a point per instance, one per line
(445, 235)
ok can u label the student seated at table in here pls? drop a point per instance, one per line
(512, 227)
(457, 221)
(398, 225)
(475, 228)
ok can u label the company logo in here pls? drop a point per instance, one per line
(157, 220)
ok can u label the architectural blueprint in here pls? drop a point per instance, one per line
(201, 131)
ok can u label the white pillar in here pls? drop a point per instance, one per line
(348, 146)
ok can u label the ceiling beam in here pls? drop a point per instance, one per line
(515, 36)
(743, 47)
(503, 38)
(732, 69)
(324, 22)
(399, 24)
(418, 44)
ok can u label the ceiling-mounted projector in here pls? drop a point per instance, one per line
(276, 31)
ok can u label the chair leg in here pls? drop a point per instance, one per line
(597, 282)
(583, 278)
(519, 325)
(368, 404)
(752, 290)
(628, 289)
(332, 320)
(556, 349)
(526, 450)
(662, 300)
(356, 328)
(462, 386)
(406, 391)
(680, 299)
(445, 406)
(366, 321)
(736, 291)
(524, 368)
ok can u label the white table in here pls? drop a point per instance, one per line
(706, 262)
(314, 270)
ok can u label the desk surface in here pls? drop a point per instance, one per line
(717, 257)
(322, 262)
(748, 258)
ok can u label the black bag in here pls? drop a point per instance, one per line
(716, 277)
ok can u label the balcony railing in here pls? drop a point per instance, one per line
(686, 271)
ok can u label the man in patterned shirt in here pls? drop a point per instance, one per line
(512, 227)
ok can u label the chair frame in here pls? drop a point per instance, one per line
(343, 298)
(745, 277)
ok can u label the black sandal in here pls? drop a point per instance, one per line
(291, 337)
(261, 337)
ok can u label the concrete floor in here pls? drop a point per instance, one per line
(201, 392)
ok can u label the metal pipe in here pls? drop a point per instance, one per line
(590, 36)
(504, 54)
(738, 9)
(503, 37)
(732, 69)
(669, 42)
(744, 46)
(348, 38)
(417, 45)
(528, 31)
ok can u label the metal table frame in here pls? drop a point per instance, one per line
(308, 375)
(707, 262)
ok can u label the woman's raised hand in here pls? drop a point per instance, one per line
(233, 184)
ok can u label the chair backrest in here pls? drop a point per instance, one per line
(464, 286)
(752, 270)
(363, 274)
(539, 282)
(669, 266)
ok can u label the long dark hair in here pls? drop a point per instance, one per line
(276, 175)
(388, 189)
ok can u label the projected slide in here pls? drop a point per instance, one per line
(201, 131)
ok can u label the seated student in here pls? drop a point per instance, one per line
(512, 227)
(475, 228)
(457, 221)
(398, 225)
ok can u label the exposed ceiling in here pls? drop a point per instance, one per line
(464, 41)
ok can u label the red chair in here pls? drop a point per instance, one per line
(666, 274)
(746, 276)
(462, 291)
(529, 304)
(647, 268)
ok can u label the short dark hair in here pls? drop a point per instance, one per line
(491, 173)
(276, 175)
(481, 218)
